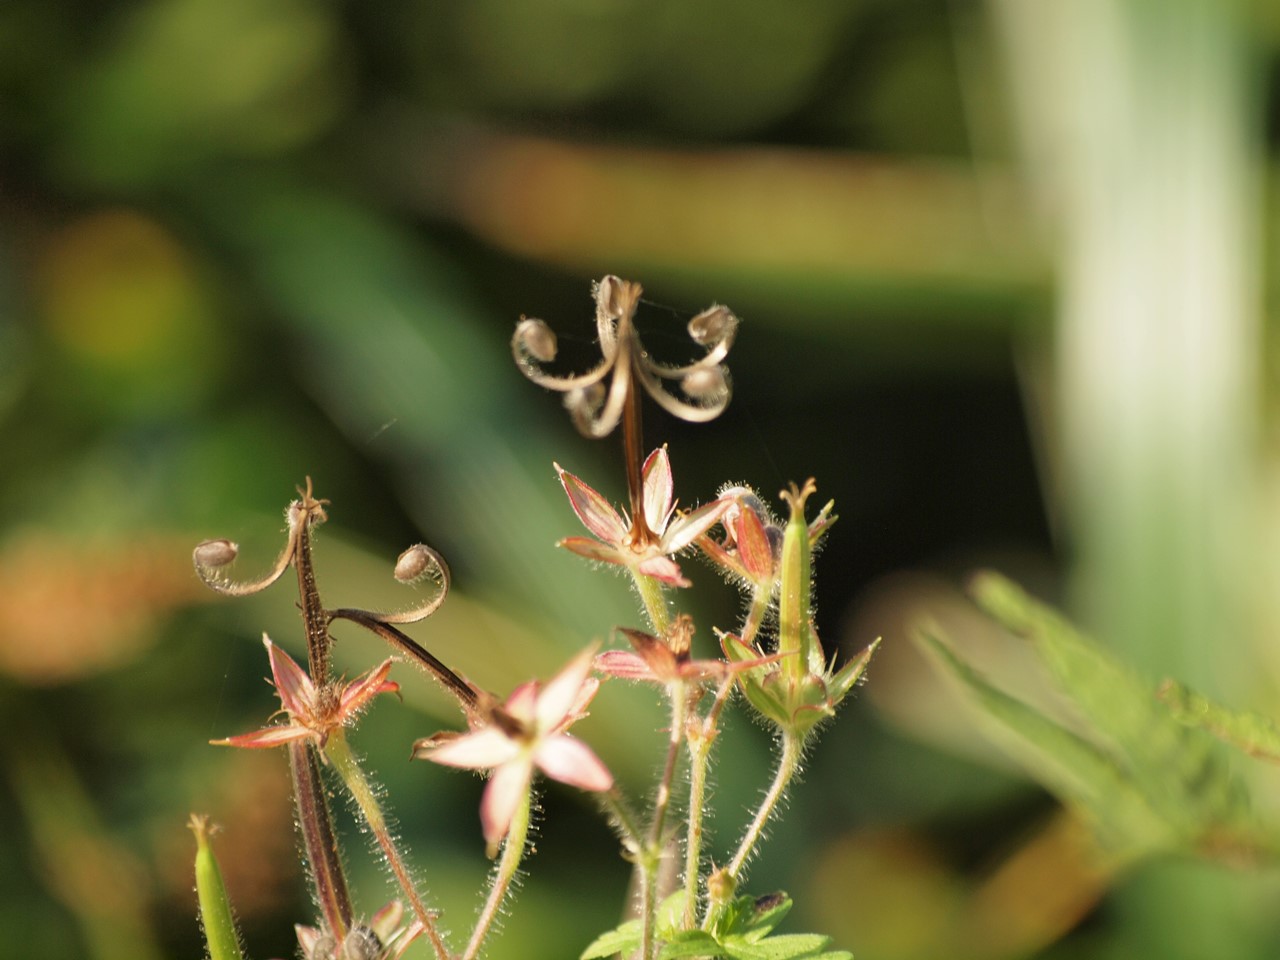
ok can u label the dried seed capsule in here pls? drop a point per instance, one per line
(537, 339)
(711, 325)
(704, 383)
(416, 561)
(215, 553)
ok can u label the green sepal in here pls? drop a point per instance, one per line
(220, 934)
(759, 684)
(847, 678)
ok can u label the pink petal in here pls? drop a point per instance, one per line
(563, 692)
(689, 527)
(595, 512)
(267, 737)
(658, 487)
(664, 569)
(297, 692)
(523, 703)
(594, 550)
(624, 664)
(571, 761)
(754, 548)
(363, 689)
(506, 788)
(482, 750)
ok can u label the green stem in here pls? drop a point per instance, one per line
(755, 615)
(655, 604)
(788, 764)
(338, 752)
(512, 853)
(624, 818)
(699, 758)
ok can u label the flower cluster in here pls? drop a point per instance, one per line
(773, 657)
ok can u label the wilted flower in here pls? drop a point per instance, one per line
(750, 551)
(384, 937)
(667, 660)
(314, 712)
(617, 541)
(524, 732)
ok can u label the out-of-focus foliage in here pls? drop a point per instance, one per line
(1005, 272)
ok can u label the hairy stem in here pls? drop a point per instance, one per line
(788, 764)
(699, 758)
(624, 818)
(512, 853)
(314, 622)
(652, 854)
(319, 841)
(339, 754)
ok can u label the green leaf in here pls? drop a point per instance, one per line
(623, 938)
(766, 913)
(788, 946)
(670, 912)
(691, 943)
(1078, 772)
(1175, 767)
(1253, 733)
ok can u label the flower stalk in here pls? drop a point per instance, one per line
(338, 752)
(319, 842)
(513, 850)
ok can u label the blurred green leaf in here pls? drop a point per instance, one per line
(1147, 782)
(1251, 732)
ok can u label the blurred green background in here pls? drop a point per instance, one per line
(1007, 275)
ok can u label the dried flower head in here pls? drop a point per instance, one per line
(597, 399)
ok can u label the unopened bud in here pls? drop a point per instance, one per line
(712, 325)
(416, 561)
(704, 383)
(537, 339)
(214, 553)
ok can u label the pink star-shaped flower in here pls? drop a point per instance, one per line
(525, 732)
(616, 540)
(313, 712)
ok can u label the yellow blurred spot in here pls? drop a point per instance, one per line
(119, 292)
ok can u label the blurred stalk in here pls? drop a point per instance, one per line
(1137, 120)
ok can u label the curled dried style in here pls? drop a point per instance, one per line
(416, 564)
(597, 408)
